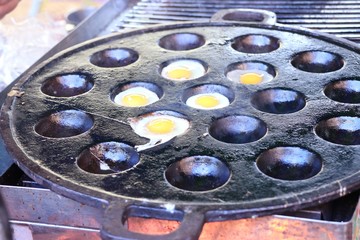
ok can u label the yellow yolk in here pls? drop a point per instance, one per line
(207, 101)
(251, 78)
(161, 126)
(179, 73)
(135, 100)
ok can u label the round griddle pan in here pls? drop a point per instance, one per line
(281, 145)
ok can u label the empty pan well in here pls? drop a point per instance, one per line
(317, 61)
(67, 85)
(198, 173)
(255, 43)
(238, 129)
(63, 124)
(289, 163)
(345, 91)
(278, 101)
(342, 130)
(117, 57)
(182, 41)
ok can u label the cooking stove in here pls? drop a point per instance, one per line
(35, 212)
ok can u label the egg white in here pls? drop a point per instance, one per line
(234, 75)
(195, 67)
(151, 96)
(139, 127)
(223, 101)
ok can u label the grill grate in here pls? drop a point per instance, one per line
(341, 18)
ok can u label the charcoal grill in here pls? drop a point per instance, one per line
(349, 113)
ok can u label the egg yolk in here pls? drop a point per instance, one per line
(207, 101)
(161, 126)
(251, 78)
(135, 100)
(179, 73)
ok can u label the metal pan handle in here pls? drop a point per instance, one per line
(244, 15)
(116, 214)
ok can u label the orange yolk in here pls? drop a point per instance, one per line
(161, 126)
(179, 73)
(135, 100)
(207, 101)
(251, 78)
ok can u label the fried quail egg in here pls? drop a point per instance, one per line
(136, 97)
(249, 76)
(208, 101)
(183, 70)
(158, 128)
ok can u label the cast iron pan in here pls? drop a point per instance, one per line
(285, 144)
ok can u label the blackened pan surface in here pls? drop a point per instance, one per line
(287, 143)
